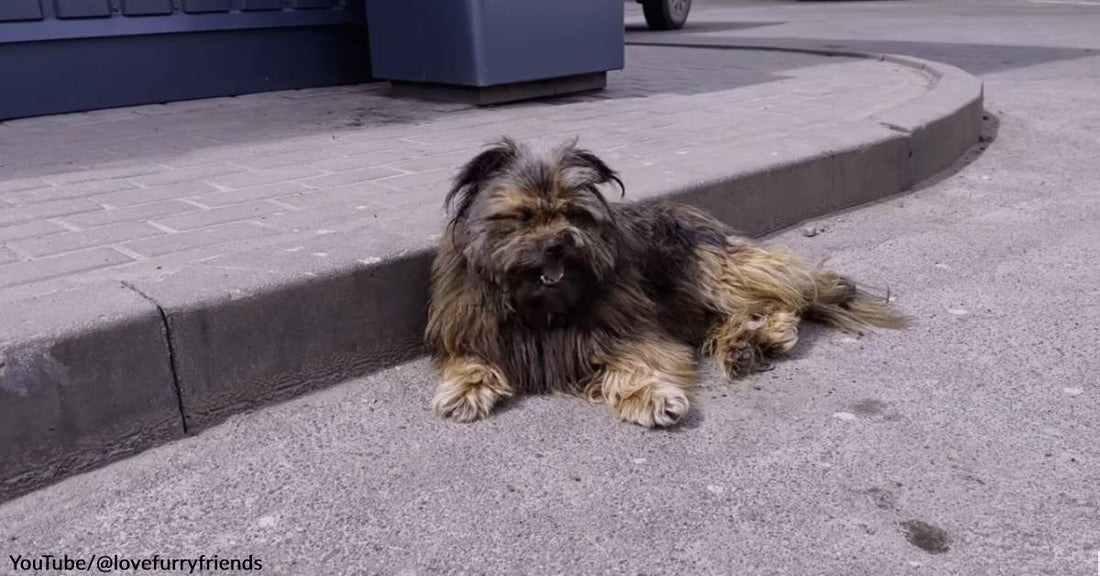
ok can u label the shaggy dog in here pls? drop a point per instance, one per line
(540, 286)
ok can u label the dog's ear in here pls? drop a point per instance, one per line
(595, 171)
(473, 176)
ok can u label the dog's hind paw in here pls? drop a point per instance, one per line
(741, 360)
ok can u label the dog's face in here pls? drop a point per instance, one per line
(536, 225)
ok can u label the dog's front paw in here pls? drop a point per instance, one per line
(658, 406)
(468, 392)
(462, 402)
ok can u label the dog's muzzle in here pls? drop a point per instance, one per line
(552, 272)
(553, 265)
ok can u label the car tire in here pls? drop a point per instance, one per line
(666, 14)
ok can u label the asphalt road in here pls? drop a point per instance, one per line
(966, 445)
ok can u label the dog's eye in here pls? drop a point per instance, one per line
(521, 217)
(579, 216)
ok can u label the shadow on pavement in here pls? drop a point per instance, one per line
(977, 59)
(693, 27)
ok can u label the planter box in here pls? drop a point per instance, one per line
(495, 50)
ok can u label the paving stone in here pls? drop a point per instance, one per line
(280, 174)
(92, 237)
(181, 241)
(146, 195)
(106, 173)
(205, 218)
(17, 185)
(418, 180)
(202, 172)
(320, 218)
(354, 176)
(7, 256)
(43, 210)
(347, 196)
(34, 228)
(251, 169)
(136, 213)
(65, 265)
(297, 157)
(80, 189)
(263, 192)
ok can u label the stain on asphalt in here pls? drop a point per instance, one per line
(870, 407)
(883, 498)
(931, 539)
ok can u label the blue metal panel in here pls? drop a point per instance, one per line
(493, 42)
(40, 77)
(423, 41)
(395, 32)
(120, 25)
(146, 7)
(70, 55)
(313, 3)
(82, 8)
(534, 40)
(205, 5)
(261, 4)
(12, 10)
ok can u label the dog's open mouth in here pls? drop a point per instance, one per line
(552, 272)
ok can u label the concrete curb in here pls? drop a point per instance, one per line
(930, 133)
(116, 368)
(81, 386)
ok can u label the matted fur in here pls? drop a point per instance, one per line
(541, 286)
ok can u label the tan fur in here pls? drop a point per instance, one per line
(763, 293)
(457, 325)
(650, 382)
(468, 389)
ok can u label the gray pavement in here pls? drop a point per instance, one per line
(978, 421)
(241, 253)
(154, 192)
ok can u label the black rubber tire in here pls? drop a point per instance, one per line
(666, 14)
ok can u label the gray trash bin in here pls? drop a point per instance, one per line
(492, 51)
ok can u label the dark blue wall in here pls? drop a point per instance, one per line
(70, 55)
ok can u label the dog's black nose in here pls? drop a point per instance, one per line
(554, 248)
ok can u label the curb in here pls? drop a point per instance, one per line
(152, 363)
(928, 135)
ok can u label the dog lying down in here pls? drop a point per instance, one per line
(541, 286)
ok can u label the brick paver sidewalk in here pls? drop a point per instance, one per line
(142, 192)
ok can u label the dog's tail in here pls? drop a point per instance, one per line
(750, 276)
(838, 302)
